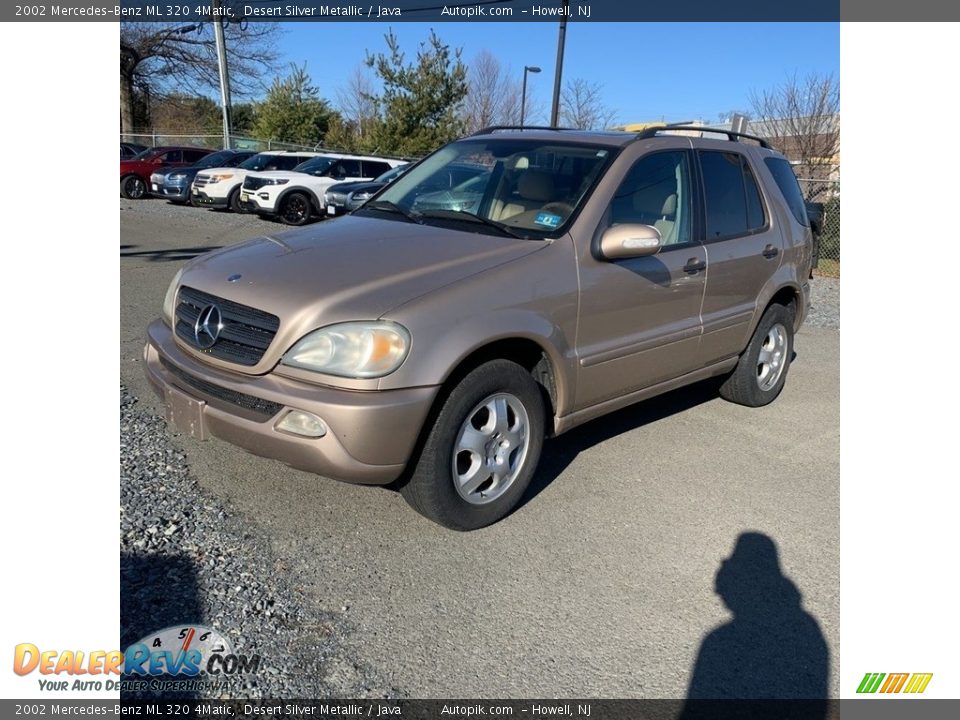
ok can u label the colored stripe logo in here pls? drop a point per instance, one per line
(913, 683)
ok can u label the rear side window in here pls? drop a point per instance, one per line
(287, 162)
(787, 182)
(734, 206)
(349, 168)
(372, 168)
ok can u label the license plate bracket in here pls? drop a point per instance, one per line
(186, 413)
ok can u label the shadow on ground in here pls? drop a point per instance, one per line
(169, 255)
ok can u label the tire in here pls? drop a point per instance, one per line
(762, 370)
(132, 187)
(470, 416)
(296, 209)
(233, 202)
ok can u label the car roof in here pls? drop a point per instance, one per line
(613, 138)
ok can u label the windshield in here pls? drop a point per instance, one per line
(144, 154)
(216, 159)
(392, 174)
(314, 166)
(527, 187)
(257, 162)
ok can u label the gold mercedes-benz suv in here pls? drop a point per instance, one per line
(510, 286)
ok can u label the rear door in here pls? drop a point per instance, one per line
(743, 248)
(640, 318)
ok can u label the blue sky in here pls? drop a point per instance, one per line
(649, 71)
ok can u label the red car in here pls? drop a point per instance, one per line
(135, 172)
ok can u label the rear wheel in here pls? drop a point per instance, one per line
(295, 209)
(133, 187)
(482, 450)
(762, 370)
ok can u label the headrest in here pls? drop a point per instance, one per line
(536, 186)
(669, 205)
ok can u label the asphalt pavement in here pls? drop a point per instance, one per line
(602, 584)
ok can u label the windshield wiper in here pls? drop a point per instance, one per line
(470, 217)
(388, 206)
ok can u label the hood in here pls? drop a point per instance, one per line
(190, 172)
(349, 187)
(353, 268)
(223, 170)
(278, 174)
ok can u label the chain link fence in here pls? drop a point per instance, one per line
(214, 142)
(825, 195)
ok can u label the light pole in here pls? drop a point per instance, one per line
(523, 94)
(561, 41)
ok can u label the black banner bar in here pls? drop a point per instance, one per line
(872, 709)
(395, 11)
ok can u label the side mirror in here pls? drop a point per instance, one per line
(629, 241)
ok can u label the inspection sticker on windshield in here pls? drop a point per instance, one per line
(548, 219)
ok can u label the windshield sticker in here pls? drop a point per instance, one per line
(548, 219)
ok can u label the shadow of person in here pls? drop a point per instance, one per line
(772, 653)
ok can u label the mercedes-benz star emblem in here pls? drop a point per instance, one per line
(208, 326)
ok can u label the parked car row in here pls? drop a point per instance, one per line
(293, 186)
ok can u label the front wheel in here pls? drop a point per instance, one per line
(762, 370)
(295, 209)
(233, 202)
(133, 187)
(482, 450)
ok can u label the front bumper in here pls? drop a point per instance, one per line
(199, 197)
(370, 435)
(180, 193)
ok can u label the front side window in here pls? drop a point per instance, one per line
(317, 166)
(734, 206)
(349, 168)
(656, 192)
(528, 188)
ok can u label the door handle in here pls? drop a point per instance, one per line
(770, 252)
(694, 265)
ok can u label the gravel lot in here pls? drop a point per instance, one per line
(600, 585)
(824, 303)
(183, 557)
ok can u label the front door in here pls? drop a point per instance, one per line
(640, 318)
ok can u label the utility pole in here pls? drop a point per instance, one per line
(555, 111)
(224, 75)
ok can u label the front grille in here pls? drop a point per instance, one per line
(246, 334)
(259, 406)
(254, 183)
(201, 180)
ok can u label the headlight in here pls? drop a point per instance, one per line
(221, 177)
(361, 197)
(170, 299)
(353, 349)
(176, 176)
(276, 181)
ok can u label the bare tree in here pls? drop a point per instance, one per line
(174, 56)
(801, 117)
(582, 106)
(356, 100)
(493, 97)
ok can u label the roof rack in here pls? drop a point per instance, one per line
(731, 135)
(494, 128)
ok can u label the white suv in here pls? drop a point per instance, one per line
(220, 187)
(297, 196)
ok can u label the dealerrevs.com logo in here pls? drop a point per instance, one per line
(177, 654)
(910, 683)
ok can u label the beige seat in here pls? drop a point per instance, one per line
(667, 224)
(534, 190)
